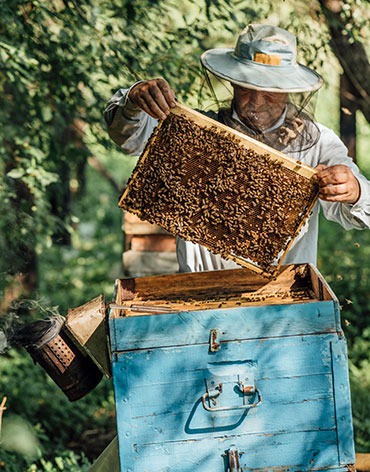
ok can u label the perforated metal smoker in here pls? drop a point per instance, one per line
(73, 371)
(212, 185)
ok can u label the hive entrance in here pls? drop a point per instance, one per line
(211, 185)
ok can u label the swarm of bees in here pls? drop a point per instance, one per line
(202, 185)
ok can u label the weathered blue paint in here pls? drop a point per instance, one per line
(294, 355)
(342, 398)
(188, 328)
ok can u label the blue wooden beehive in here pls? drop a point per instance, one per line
(228, 371)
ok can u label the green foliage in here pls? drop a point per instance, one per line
(53, 422)
(60, 61)
(343, 260)
(355, 17)
(360, 387)
(92, 264)
(67, 461)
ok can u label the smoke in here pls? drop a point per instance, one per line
(3, 342)
(19, 436)
(34, 335)
(21, 313)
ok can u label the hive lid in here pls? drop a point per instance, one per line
(209, 184)
(86, 325)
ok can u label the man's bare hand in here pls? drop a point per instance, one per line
(337, 184)
(154, 96)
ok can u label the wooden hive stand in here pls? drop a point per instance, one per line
(148, 248)
(362, 462)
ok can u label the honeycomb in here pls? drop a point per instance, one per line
(211, 185)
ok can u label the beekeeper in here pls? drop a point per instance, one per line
(270, 92)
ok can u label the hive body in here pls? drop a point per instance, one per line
(228, 371)
(209, 184)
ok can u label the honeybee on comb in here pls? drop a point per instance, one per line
(211, 185)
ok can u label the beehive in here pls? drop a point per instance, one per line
(230, 371)
(212, 185)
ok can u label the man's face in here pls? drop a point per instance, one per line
(259, 110)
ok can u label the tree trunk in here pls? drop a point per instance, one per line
(350, 53)
(348, 109)
(19, 259)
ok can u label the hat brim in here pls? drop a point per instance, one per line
(289, 79)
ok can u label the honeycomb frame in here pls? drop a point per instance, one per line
(212, 185)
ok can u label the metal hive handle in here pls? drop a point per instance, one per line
(213, 394)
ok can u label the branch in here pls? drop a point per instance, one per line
(2, 409)
(97, 165)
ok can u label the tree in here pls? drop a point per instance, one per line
(347, 31)
(60, 62)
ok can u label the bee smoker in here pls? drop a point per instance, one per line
(67, 355)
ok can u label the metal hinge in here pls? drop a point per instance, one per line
(214, 340)
(233, 456)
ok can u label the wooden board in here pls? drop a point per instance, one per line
(218, 290)
(362, 462)
(145, 331)
(87, 327)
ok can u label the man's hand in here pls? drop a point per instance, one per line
(153, 96)
(337, 184)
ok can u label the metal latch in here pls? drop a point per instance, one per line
(233, 456)
(214, 340)
(251, 396)
(247, 385)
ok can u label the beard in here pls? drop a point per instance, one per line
(260, 119)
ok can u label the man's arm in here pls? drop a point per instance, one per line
(344, 191)
(132, 114)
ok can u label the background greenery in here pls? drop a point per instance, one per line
(60, 228)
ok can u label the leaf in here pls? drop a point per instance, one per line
(16, 173)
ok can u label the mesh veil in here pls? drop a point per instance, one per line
(297, 133)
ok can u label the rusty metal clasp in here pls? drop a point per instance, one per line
(211, 395)
(214, 340)
(246, 386)
(233, 456)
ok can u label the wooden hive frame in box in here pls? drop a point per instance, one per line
(213, 290)
(215, 186)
